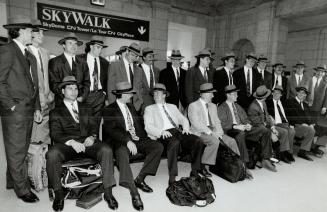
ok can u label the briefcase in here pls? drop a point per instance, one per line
(89, 200)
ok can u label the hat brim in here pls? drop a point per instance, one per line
(232, 90)
(204, 55)
(176, 58)
(208, 91)
(262, 97)
(62, 41)
(40, 27)
(135, 51)
(61, 85)
(302, 89)
(21, 25)
(278, 64)
(278, 89)
(131, 91)
(296, 65)
(92, 43)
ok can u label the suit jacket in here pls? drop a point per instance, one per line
(194, 79)
(17, 86)
(319, 99)
(295, 113)
(104, 69)
(114, 128)
(117, 73)
(176, 92)
(220, 81)
(291, 85)
(60, 68)
(239, 81)
(267, 80)
(271, 107)
(153, 120)
(257, 116)
(226, 117)
(284, 85)
(198, 117)
(63, 126)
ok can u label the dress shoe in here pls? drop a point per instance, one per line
(289, 156)
(205, 173)
(317, 152)
(268, 165)
(112, 202)
(58, 202)
(303, 154)
(137, 202)
(258, 164)
(143, 186)
(30, 197)
(284, 158)
(248, 175)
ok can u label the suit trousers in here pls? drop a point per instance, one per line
(306, 135)
(288, 144)
(60, 153)
(191, 144)
(17, 128)
(239, 136)
(261, 134)
(96, 101)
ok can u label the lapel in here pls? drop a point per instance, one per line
(122, 70)
(66, 114)
(228, 112)
(226, 77)
(65, 63)
(172, 75)
(199, 75)
(119, 113)
(145, 82)
(23, 60)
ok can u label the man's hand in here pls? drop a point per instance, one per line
(292, 127)
(38, 116)
(217, 135)
(239, 127)
(248, 127)
(166, 134)
(79, 99)
(273, 129)
(323, 110)
(106, 102)
(186, 131)
(77, 146)
(132, 147)
(89, 141)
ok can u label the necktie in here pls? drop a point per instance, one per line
(95, 75)
(230, 78)
(248, 86)
(170, 119)
(41, 62)
(74, 69)
(178, 76)
(208, 115)
(206, 75)
(151, 78)
(281, 113)
(237, 118)
(300, 79)
(302, 106)
(29, 64)
(131, 128)
(75, 113)
(131, 76)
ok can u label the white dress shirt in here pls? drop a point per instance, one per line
(246, 69)
(202, 71)
(35, 52)
(127, 64)
(279, 77)
(262, 72)
(298, 78)
(70, 59)
(70, 108)
(230, 105)
(124, 112)
(229, 75)
(261, 105)
(90, 64)
(166, 123)
(147, 72)
(177, 72)
(278, 119)
(204, 105)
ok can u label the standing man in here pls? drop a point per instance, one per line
(247, 80)
(198, 75)
(41, 130)
(296, 79)
(67, 64)
(224, 77)
(125, 70)
(173, 77)
(98, 74)
(150, 76)
(278, 78)
(261, 68)
(20, 102)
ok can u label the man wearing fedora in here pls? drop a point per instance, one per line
(198, 75)
(261, 68)
(173, 77)
(150, 76)
(67, 64)
(205, 123)
(278, 78)
(224, 77)
(20, 102)
(98, 74)
(126, 70)
(124, 132)
(41, 130)
(278, 112)
(247, 80)
(121, 52)
(74, 135)
(162, 122)
(296, 79)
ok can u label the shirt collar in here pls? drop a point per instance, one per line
(298, 100)
(91, 57)
(201, 69)
(69, 56)
(20, 45)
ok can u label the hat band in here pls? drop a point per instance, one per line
(232, 90)
(206, 90)
(159, 89)
(134, 49)
(124, 90)
(262, 94)
(96, 41)
(251, 57)
(204, 55)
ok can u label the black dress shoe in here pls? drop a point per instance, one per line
(205, 173)
(304, 155)
(137, 202)
(30, 197)
(112, 202)
(289, 156)
(143, 186)
(284, 158)
(317, 152)
(58, 202)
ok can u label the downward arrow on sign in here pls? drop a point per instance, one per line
(141, 30)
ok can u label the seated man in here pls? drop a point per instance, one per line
(73, 132)
(162, 122)
(123, 131)
(278, 112)
(206, 124)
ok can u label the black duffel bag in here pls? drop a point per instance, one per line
(228, 165)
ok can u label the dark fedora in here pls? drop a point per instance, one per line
(19, 21)
(300, 63)
(231, 88)
(70, 36)
(147, 50)
(68, 80)
(95, 39)
(134, 47)
(320, 68)
(278, 88)
(121, 50)
(204, 53)
(228, 55)
(262, 58)
(160, 87)
(207, 88)
(262, 92)
(176, 55)
(123, 87)
(278, 64)
(302, 88)
(38, 26)
(251, 56)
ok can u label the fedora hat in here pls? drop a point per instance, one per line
(262, 58)
(320, 68)
(19, 21)
(70, 36)
(278, 64)
(251, 55)
(211, 52)
(231, 88)
(147, 50)
(228, 55)
(262, 92)
(95, 39)
(68, 80)
(38, 26)
(121, 50)
(300, 63)
(134, 47)
(207, 88)
(176, 55)
(204, 53)
(160, 87)
(302, 88)
(279, 88)
(123, 87)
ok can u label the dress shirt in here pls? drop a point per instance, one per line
(69, 59)
(230, 105)
(246, 69)
(204, 105)
(229, 74)
(90, 64)
(203, 71)
(261, 72)
(124, 112)
(177, 72)
(147, 72)
(278, 119)
(127, 64)
(298, 78)
(279, 80)
(35, 52)
(299, 101)
(315, 80)
(166, 123)
(69, 107)
(261, 105)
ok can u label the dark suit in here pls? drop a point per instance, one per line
(266, 79)
(64, 128)
(60, 68)
(239, 80)
(291, 84)
(176, 91)
(17, 88)
(117, 137)
(194, 79)
(220, 81)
